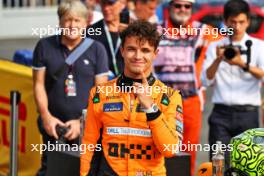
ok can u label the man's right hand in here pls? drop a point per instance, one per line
(49, 123)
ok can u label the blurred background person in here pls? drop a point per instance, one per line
(109, 34)
(145, 10)
(179, 64)
(131, 4)
(95, 13)
(236, 83)
(57, 102)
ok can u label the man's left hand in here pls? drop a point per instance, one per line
(74, 131)
(236, 61)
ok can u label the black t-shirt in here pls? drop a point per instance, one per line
(114, 36)
(101, 37)
(50, 54)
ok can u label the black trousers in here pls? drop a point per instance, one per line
(226, 122)
(46, 138)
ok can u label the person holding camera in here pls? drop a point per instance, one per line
(235, 68)
(61, 90)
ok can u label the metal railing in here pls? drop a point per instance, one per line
(15, 98)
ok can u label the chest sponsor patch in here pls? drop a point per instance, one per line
(113, 97)
(128, 131)
(143, 173)
(112, 107)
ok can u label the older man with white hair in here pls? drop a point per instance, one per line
(179, 63)
(65, 67)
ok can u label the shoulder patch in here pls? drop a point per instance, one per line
(96, 98)
(179, 109)
(165, 99)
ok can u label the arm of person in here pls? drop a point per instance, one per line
(40, 95)
(211, 70)
(91, 136)
(258, 73)
(214, 56)
(163, 126)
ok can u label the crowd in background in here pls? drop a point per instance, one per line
(181, 63)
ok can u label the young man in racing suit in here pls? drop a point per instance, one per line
(141, 120)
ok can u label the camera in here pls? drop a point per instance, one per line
(231, 51)
(61, 131)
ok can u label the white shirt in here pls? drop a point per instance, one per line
(97, 16)
(232, 85)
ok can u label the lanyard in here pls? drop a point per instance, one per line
(70, 66)
(113, 51)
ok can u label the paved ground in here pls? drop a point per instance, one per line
(7, 48)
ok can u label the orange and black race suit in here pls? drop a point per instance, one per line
(133, 143)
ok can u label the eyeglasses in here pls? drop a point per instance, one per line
(179, 6)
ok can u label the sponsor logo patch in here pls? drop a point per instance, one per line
(179, 109)
(165, 100)
(128, 131)
(143, 173)
(112, 107)
(112, 97)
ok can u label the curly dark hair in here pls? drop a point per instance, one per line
(144, 31)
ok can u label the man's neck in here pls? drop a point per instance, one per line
(70, 44)
(136, 76)
(237, 38)
(113, 26)
(178, 24)
(137, 14)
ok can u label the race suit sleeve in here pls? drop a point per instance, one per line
(91, 135)
(163, 128)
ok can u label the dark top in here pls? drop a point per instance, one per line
(101, 36)
(51, 54)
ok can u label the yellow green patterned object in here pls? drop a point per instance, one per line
(248, 152)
